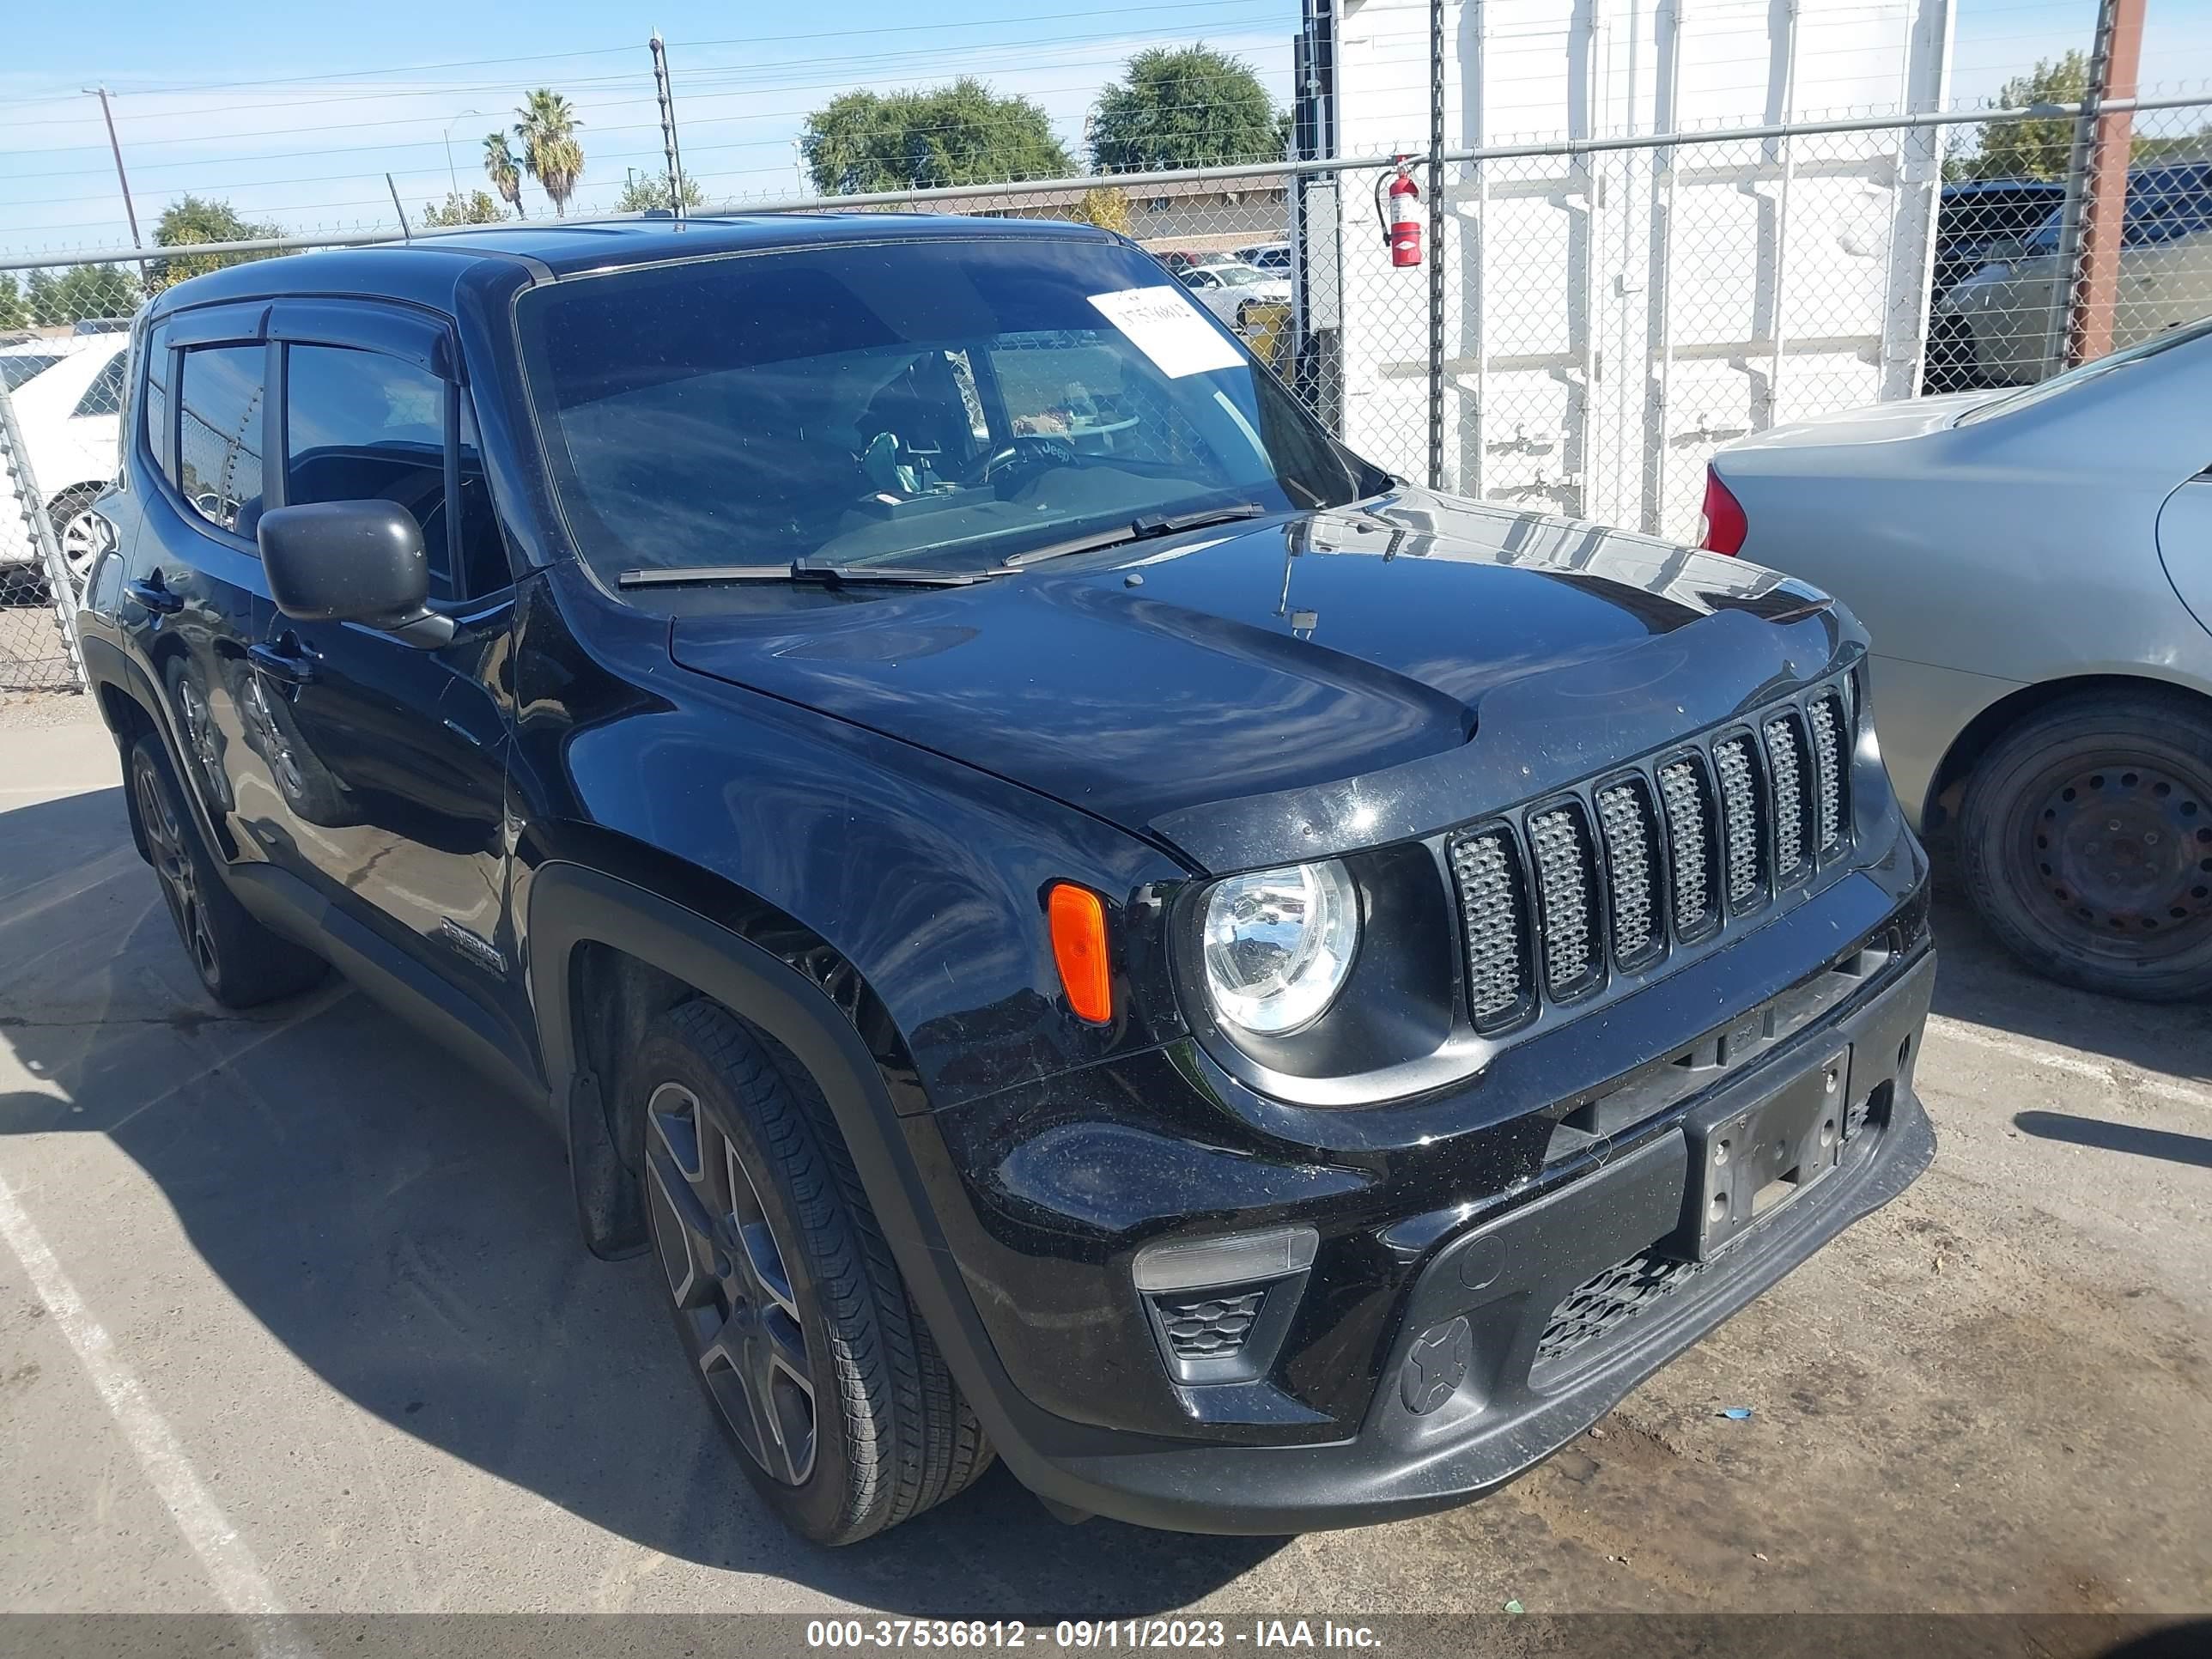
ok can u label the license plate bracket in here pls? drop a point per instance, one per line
(1747, 1161)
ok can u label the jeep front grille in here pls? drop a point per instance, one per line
(1632, 853)
(1493, 920)
(1827, 715)
(1566, 895)
(1610, 878)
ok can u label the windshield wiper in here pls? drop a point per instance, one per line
(1139, 530)
(820, 575)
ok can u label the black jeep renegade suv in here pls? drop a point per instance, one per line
(1074, 916)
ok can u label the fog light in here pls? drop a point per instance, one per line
(1192, 1265)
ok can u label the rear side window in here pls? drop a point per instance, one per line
(219, 447)
(156, 401)
(360, 425)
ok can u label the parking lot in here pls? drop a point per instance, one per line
(294, 1317)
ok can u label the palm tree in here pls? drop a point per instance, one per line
(550, 149)
(506, 175)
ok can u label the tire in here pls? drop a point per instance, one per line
(75, 528)
(2086, 836)
(241, 963)
(783, 1291)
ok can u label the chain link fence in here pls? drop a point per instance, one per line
(1587, 323)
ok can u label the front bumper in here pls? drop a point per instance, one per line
(1510, 1326)
(1475, 1391)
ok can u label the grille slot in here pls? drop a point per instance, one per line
(1789, 765)
(1742, 831)
(1630, 824)
(1603, 1303)
(1826, 718)
(1566, 898)
(1690, 847)
(1212, 1326)
(1494, 919)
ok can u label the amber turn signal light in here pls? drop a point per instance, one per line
(1079, 948)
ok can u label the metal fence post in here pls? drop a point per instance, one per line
(1436, 244)
(31, 505)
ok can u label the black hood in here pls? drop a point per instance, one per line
(1154, 685)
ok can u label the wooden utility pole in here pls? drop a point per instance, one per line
(2096, 270)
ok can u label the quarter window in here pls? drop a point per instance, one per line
(219, 448)
(158, 368)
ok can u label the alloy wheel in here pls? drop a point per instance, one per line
(727, 1276)
(175, 869)
(2120, 852)
(199, 733)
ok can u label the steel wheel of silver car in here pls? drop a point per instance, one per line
(726, 1272)
(2123, 848)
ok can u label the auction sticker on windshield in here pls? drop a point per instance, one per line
(1164, 325)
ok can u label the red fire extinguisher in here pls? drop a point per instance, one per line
(1401, 224)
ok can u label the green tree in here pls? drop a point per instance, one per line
(961, 134)
(13, 312)
(77, 292)
(1104, 206)
(193, 219)
(645, 192)
(504, 172)
(1194, 107)
(2039, 146)
(476, 208)
(550, 153)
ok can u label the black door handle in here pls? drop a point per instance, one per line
(291, 668)
(155, 597)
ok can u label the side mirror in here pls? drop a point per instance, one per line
(357, 561)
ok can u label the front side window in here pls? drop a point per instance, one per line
(360, 425)
(929, 405)
(219, 445)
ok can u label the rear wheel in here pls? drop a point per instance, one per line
(2087, 834)
(241, 963)
(786, 1299)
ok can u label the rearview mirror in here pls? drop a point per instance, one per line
(356, 561)
(2002, 251)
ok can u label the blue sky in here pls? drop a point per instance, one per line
(295, 112)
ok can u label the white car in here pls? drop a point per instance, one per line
(1226, 288)
(1998, 322)
(2034, 568)
(69, 409)
(1273, 257)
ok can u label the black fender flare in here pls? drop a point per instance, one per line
(570, 904)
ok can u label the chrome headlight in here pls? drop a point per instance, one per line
(1278, 944)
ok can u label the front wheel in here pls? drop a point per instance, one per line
(2086, 835)
(789, 1309)
(77, 528)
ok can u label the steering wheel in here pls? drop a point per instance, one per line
(1027, 451)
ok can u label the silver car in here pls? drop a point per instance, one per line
(2035, 569)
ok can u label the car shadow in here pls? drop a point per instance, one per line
(408, 1234)
(2100, 1133)
(1981, 983)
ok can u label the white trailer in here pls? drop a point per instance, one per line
(1612, 314)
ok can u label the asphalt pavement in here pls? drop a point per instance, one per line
(294, 1319)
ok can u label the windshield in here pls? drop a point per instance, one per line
(2082, 375)
(18, 367)
(940, 405)
(1239, 275)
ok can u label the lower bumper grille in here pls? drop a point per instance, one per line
(1605, 1301)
